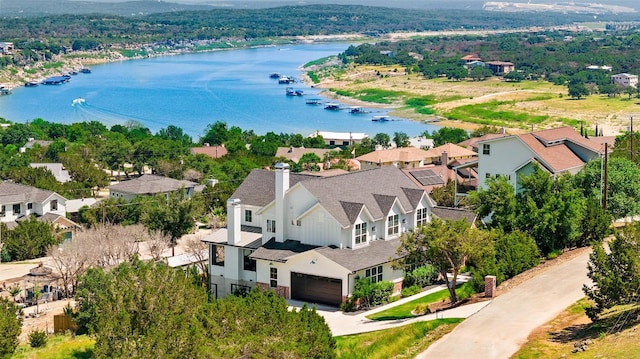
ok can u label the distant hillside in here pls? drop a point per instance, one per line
(26, 8)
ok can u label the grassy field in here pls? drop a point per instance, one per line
(495, 102)
(614, 336)
(401, 342)
(403, 311)
(58, 347)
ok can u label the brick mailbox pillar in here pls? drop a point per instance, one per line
(490, 286)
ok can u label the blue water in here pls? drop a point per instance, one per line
(191, 91)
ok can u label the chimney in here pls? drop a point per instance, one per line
(233, 221)
(282, 185)
(445, 158)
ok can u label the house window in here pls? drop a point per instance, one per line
(16, 208)
(54, 205)
(271, 226)
(361, 233)
(332, 143)
(374, 274)
(393, 225)
(273, 277)
(2, 213)
(29, 206)
(248, 216)
(298, 223)
(487, 175)
(486, 149)
(218, 256)
(249, 264)
(421, 217)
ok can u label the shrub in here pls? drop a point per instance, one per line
(516, 252)
(37, 338)
(409, 291)
(371, 294)
(422, 276)
(422, 308)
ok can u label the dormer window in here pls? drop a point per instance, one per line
(393, 225)
(54, 205)
(421, 217)
(361, 233)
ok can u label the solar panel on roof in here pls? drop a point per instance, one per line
(427, 177)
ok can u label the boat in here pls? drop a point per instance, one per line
(299, 92)
(332, 106)
(73, 72)
(274, 75)
(286, 80)
(290, 91)
(314, 101)
(77, 101)
(85, 70)
(5, 90)
(380, 119)
(356, 110)
(30, 84)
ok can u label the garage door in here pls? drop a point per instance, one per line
(314, 289)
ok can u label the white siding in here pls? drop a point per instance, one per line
(505, 156)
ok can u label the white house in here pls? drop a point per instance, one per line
(625, 80)
(340, 138)
(310, 238)
(559, 150)
(149, 185)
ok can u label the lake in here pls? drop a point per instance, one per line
(193, 90)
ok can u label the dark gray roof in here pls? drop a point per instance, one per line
(259, 188)
(427, 177)
(280, 251)
(376, 189)
(352, 210)
(454, 214)
(376, 253)
(18, 193)
(151, 184)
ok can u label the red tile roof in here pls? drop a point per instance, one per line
(211, 151)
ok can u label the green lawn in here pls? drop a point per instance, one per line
(59, 347)
(400, 342)
(403, 311)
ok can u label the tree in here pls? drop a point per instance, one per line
(578, 90)
(382, 139)
(173, 215)
(444, 195)
(10, 327)
(401, 139)
(479, 73)
(497, 201)
(515, 253)
(615, 275)
(446, 245)
(447, 135)
(309, 161)
(30, 239)
(216, 133)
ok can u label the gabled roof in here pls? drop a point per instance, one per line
(559, 157)
(259, 188)
(472, 142)
(376, 253)
(566, 133)
(401, 154)
(453, 151)
(454, 214)
(295, 153)
(376, 189)
(211, 151)
(18, 193)
(151, 184)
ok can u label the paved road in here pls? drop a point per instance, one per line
(498, 330)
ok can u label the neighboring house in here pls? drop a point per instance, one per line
(6, 48)
(500, 67)
(401, 157)
(31, 143)
(625, 80)
(436, 175)
(56, 169)
(211, 151)
(421, 142)
(447, 153)
(340, 138)
(311, 238)
(454, 214)
(150, 185)
(295, 153)
(558, 151)
(388, 53)
(18, 202)
(471, 58)
(596, 67)
(472, 143)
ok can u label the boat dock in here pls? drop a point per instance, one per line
(56, 80)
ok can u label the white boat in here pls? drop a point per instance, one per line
(77, 101)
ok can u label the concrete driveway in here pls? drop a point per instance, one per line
(342, 323)
(500, 329)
